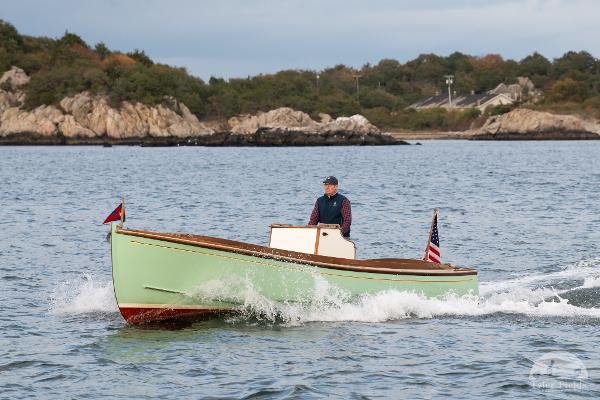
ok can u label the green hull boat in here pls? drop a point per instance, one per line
(161, 276)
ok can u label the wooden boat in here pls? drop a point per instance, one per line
(160, 276)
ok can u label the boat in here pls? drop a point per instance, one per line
(159, 276)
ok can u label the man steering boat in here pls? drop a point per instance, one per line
(332, 207)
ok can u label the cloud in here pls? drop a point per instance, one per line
(239, 38)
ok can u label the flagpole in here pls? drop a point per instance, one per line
(435, 210)
(122, 210)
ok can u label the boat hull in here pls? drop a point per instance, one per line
(156, 278)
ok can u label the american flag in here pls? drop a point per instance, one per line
(432, 253)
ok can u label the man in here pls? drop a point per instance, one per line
(332, 207)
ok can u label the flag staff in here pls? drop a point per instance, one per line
(122, 210)
(435, 210)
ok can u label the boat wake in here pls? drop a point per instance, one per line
(572, 292)
(83, 295)
(568, 293)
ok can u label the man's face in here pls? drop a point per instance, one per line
(330, 189)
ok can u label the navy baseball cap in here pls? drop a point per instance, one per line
(330, 180)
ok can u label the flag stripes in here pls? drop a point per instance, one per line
(432, 252)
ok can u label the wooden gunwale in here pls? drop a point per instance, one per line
(382, 266)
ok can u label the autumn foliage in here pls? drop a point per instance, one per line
(68, 65)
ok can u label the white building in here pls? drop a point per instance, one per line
(480, 101)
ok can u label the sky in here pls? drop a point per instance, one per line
(237, 38)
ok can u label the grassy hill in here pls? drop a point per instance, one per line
(68, 65)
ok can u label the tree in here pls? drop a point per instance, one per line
(102, 50)
(141, 57)
(69, 39)
(459, 62)
(534, 64)
(568, 90)
(575, 61)
(9, 37)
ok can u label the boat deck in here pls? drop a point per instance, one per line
(396, 266)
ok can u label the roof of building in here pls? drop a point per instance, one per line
(464, 101)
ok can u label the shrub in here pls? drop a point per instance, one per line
(499, 109)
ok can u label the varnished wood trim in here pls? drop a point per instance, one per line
(266, 264)
(329, 226)
(317, 239)
(373, 266)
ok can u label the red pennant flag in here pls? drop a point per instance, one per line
(116, 215)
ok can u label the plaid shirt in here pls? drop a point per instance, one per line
(346, 216)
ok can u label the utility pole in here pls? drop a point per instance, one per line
(357, 88)
(318, 82)
(449, 82)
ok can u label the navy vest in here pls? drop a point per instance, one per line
(330, 209)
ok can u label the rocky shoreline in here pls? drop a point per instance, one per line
(525, 124)
(86, 119)
(519, 124)
(264, 137)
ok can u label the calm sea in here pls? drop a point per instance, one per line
(525, 214)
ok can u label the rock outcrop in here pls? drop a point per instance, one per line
(285, 126)
(285, 118)
(281, 118)
(92, 119)
(525, 124)
(14, 78)
(88, 119)
(10, 99)
(93, 114)
(41, 122)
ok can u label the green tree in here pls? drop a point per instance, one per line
(102, 50)
(69, 39)
(141, 57)
(568, 89)
(575, 61)
(535, 64)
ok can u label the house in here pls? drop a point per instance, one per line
(480, 101)
(523, 90)
(502, 94)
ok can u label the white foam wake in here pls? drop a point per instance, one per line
(582, 270)
(591, 282)
(328, 303)
(393, 305)
(83, 295)
(531, 295)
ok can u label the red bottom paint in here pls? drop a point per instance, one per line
(144, 315)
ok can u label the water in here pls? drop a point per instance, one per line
(526, 214)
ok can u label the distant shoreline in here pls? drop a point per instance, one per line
(429, 135)
(466, 135)
(263, 138)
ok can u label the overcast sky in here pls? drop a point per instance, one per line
(240, 38)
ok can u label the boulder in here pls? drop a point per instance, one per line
(283, 118)
(88, 111)
(525, 124)
(287, 127)
(8, 100)
(325, 118)
(132, 120)
(15, 77)
(356, 124)
(71, 129)
(42, 121)
(244, 124)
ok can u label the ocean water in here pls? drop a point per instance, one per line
(525, 214)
